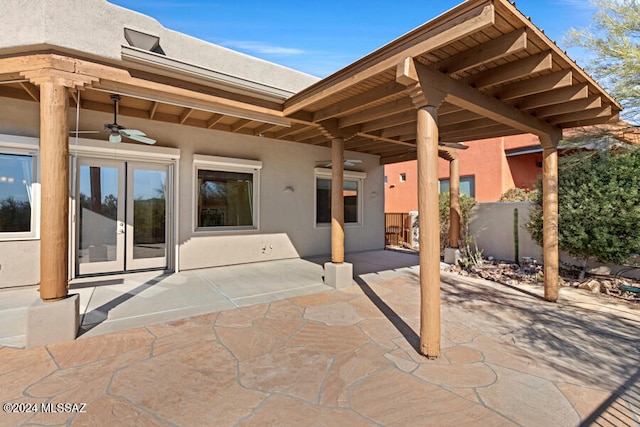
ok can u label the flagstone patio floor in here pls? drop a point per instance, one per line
(347, 358)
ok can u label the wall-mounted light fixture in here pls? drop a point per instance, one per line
(288, 189)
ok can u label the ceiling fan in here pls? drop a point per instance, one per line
(347, 163)
(116, 132)
(456, 145)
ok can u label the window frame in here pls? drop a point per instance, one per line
(469, 178)
(324, 173)
(26, 147)
(226, 164)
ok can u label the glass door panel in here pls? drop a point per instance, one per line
(147, 205)
(101, 209)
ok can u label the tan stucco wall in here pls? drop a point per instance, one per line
(287, 220)
(96, 28)
(19, 263)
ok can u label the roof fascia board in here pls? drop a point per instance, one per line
(468, 18)
(169, 67)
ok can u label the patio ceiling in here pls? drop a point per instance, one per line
(500, 73)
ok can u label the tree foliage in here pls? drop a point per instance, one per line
(613, 39)
(599, 206)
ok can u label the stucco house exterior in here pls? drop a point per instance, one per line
(280, 183)
(208, 157)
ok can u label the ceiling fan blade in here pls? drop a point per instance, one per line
(139, 138)
(456, 145)
(115, 137)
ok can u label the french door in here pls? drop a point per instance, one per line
(123, 214)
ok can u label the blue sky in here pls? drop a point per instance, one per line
(321, 37)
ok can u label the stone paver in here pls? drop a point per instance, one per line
(347, 358)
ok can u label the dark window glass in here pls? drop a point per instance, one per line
(323, 201)
(225, 199)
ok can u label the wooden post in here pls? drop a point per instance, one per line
(454, 203)
(54, 172)
(550, 222)
(337, 201)
(429, 233)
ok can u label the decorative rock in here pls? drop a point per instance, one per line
(591, 285)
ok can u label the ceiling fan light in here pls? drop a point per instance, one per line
(115, 137)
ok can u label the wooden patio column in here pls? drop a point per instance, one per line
(454, 203)
(429, 232)
(337, 201)
(550, 219)
(427, 100)
(54, 82)
(54, 172)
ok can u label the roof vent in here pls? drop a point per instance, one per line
(143, 41)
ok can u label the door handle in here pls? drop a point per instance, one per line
(120, 227)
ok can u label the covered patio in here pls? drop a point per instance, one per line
(480, 70)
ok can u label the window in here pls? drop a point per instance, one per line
(385, 179)
(467, 185)
(351, 190)
(403, 177)
(17, 199)
(226, 193)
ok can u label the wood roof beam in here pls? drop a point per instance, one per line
(185, 115)
(578, 116)
(378, 112)
(592, 122)
(556, 96)
(466, 97)
(240, 124)
(214, 120)
(461, 116)
(153, 109)
(394, 131)
(594, 101)
(383, 139)
(511, 71)
(484, 53)
(296, 128)
(476, 134)
(358, 102)
(404, 117)
(534, 86)
(405, 157)
(264, 129)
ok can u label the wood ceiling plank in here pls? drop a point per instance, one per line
(32, 90)
(484, 53)
(578, 116)
(535, 85)
(556, 96)
(512, 71)
(402, 118)
(375, 113)
(593, 101)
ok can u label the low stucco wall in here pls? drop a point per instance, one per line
(492, 227)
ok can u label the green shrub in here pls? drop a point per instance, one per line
(466, 206)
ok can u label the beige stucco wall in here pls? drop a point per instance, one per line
(96, 28)
(287, 220)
